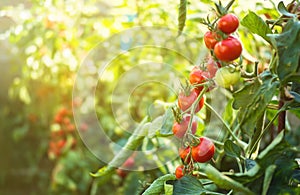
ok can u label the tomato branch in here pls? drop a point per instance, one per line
(239, 142)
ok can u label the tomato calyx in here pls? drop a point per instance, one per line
(222, 10)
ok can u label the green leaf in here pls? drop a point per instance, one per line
(288, 48)
(268, 178)
(253, 99)
(229, 113)
(256, 25)
(282, 9)
(167, 123)
(188, 185)
(182, 15)
(131, 184)
(157, 187)
(273, 151)
(155, 126)
(20, 132)
(285, 167)
(231, 149)
(168, 189)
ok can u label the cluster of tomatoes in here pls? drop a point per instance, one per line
(190, 102)
(225, 46)
(224, 49)
(62, 133)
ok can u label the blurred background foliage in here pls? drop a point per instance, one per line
(43, 44)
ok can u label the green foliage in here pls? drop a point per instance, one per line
(157, 187)
(188, 185)
(49, 40)
(253, 99)
(287, 46)
(182, 15)
(231, 149)
(256, 25)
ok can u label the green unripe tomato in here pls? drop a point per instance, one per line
(227, 76)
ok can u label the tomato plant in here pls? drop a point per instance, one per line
(253, 142)
(244, 90)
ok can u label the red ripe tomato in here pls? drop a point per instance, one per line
(229, 49)
(200, 105)
(198, 76)
(61, 143)
(228, 23)
(122, 173)
(179, 172)
(185, 101)
(204, 151)
(63, 111)
(179, 129)
(211, 39)
(184, 154)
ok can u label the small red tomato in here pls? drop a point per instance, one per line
(200, 105)
(229, 49)
(71, 128)
(179, 171)
(184, 154)
(204, 151)
(211, 39)
(58, 119)
(185, 101)
(129, 163)
(179, 129)
(63, 111)
(198, 76)
(66, 121)
(122, 173)
(228, 23)
(212, 67)
(61, 143)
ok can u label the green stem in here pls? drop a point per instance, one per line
(239, 164)
(194, 106)
(239, 142)
(224, 181)
(258, 131)
(265, 130)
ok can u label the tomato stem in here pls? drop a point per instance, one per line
(194, 106)
(239, 142)
(265, 130)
